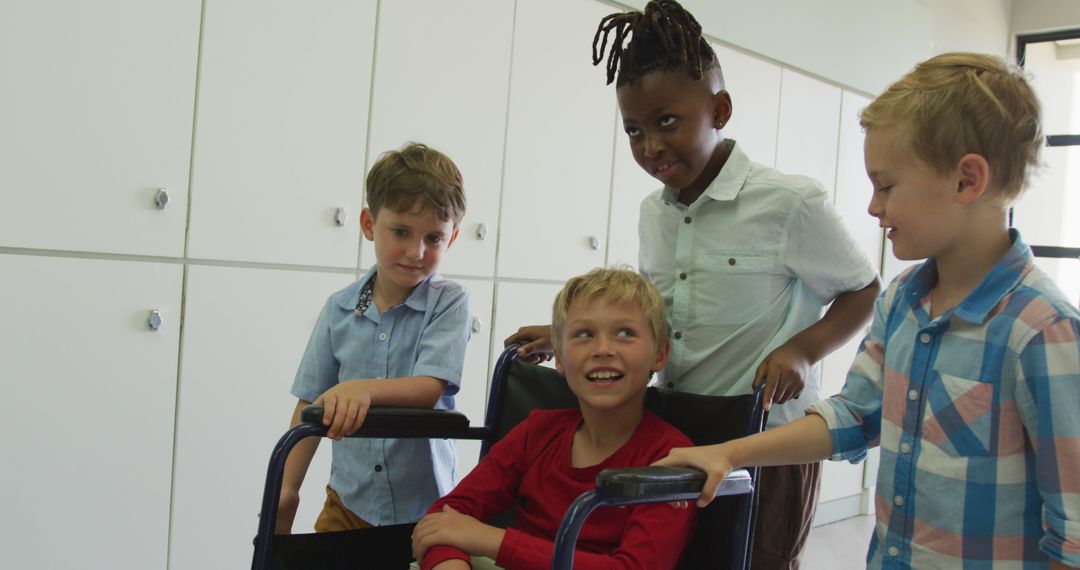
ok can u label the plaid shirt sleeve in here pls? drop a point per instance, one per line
(1047, 399)
(854, 415)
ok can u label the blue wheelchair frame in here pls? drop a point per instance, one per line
(615, 487)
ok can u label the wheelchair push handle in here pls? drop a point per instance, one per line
(674, 483)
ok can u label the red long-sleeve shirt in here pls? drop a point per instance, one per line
(531, 466)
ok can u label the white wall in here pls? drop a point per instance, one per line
(1030, 16)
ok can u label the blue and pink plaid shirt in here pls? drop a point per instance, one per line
(977, 413)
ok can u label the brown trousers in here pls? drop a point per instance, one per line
(787, 499)
(336, 516)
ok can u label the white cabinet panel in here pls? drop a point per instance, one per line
(279, 140)
(471, 400)
(630, 185)
(441, 78)
(244, 334)
(96, 116)
(559, 147)
(809, 127)
(853, 188)
(754, 86)
(518, 305)
(91, 392)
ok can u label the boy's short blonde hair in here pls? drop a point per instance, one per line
(611, 286)
(416, 176)
(960, 103)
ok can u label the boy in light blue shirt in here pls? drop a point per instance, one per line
(396, 337)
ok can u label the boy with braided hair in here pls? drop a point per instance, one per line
(970, 377)
(746, 257)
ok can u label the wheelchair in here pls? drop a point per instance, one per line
(722, 536)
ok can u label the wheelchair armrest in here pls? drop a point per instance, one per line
(386, 417)
(666, 483)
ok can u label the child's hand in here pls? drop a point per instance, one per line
(537, 339)
(711, 459)
(287, 505)
(784, 372)
(344, 407)
(451, 528)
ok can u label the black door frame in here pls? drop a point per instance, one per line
(1022, 42)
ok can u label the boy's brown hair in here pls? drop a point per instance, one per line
(416, 176)
(611, 286)
(960, 103)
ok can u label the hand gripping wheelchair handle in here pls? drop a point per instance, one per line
(636, 485)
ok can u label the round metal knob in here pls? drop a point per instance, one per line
(340, 217)
(594, 242)
(481, 231)
(161, 199)
(154, 320)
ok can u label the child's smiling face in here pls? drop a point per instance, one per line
(674, 126)
(608, 353)
(912, 201)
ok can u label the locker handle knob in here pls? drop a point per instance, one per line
(594, 242)
(153, 322)
(481, 231)
(477, 325)
(161, 199)
(340, 217)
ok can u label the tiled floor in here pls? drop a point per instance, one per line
(839, 546)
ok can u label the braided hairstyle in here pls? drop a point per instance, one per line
(664, 38)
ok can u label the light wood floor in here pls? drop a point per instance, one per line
(838, 546)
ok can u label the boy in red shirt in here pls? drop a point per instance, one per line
(610, 335)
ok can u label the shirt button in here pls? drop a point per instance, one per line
(677, 335)
(913, 395)
(682, 276)
(898, 501)
(378, 468)
(382, 336)
(670, 384)
(731, 261)
(924, 338)
(905, 447)
(686, 219)
(894, 551)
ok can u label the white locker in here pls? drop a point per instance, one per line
(442, 72)
(91, 389)
(558, 145)
(279, 137)
(809, 128)
(754, 85)
(244, 333)
(96, 118)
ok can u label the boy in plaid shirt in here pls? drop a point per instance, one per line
(969, 380)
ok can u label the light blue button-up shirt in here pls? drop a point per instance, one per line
(389, 481)
(750, 264)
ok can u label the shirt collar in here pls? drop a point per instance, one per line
(1002, 278)
(727, 184)
(417, 299)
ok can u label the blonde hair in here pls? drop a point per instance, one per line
(960, 103)
(416, 176)
(617, 285)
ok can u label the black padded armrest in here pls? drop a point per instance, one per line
(379, 417)
(666, 483)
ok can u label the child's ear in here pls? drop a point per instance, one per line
(661, 356)
(721, 109)
(973, 178)
(453, 237)
(367, 224)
